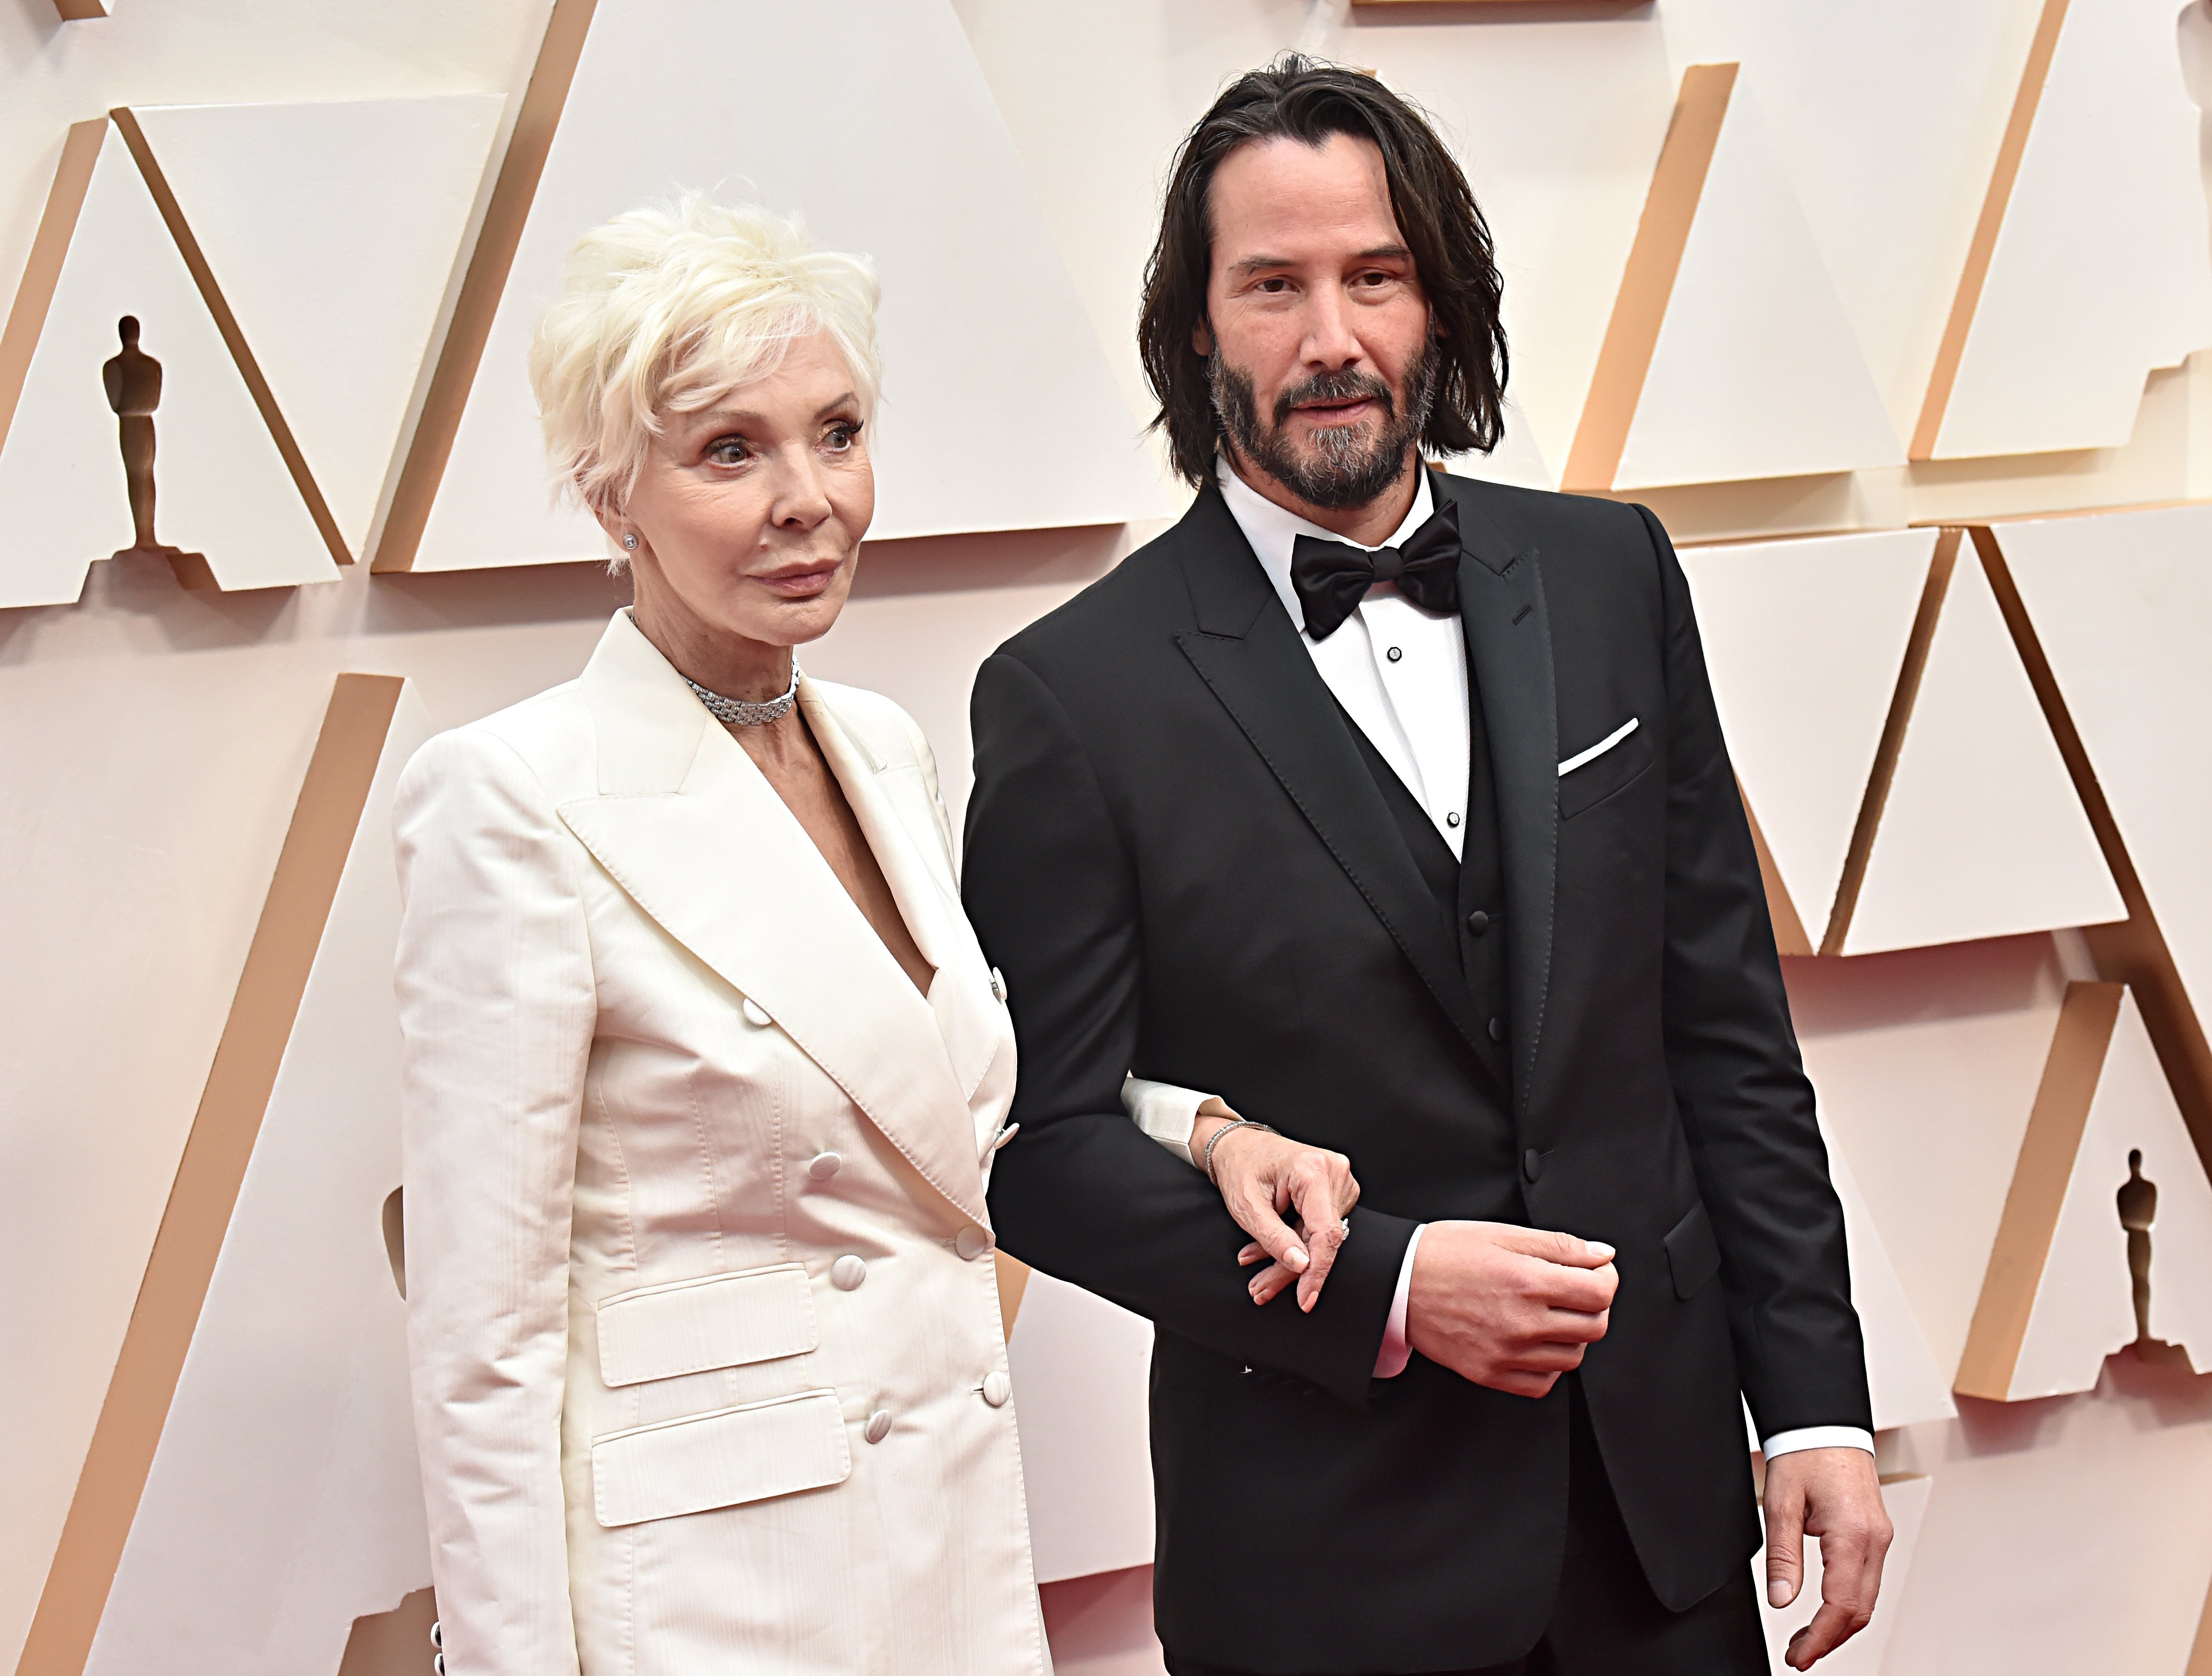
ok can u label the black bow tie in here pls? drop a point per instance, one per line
(1330, 578)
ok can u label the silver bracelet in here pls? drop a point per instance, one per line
(1205, 1158)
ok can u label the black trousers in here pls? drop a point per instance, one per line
(1605, 1619)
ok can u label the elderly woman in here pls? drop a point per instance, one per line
(704, 1070)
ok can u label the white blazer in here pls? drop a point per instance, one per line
(708, 1367)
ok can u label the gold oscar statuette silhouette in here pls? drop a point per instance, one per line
(2138, 1207)
(133, 381)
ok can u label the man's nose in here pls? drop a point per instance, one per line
(1329, 339)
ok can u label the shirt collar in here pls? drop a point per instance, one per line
(1274, 530)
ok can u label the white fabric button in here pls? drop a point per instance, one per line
(998, 984)
(997, 1388)
(879, 1426)
(824, 1165)
(847, 1273)
(971, 1242)
(757, 1014)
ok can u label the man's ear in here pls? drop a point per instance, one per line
(1202, 340)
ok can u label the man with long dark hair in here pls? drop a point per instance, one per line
(1393, 806)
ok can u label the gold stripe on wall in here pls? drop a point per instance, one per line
(484, 284)
(265, 399)
(1893, 742)
(34, 295)
(1944, 378)
(2133, 950)
(2047, 1151)
(210, 1173)
(1647, 284)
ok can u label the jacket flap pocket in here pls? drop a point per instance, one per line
(1595, 773)
(1692, 1252)
(721, 1459)
(717, 1321)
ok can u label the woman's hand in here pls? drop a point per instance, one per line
(1261, 1178)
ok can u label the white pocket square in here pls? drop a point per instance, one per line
(1598, 750)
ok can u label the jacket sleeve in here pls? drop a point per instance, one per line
(496, 1013)
(1745, 1103)
(1084, 1192)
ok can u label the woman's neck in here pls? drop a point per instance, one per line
(718, 660)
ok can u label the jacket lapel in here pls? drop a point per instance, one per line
(966, 1014)
(1508, 651)
(691, 831)
(1250, 654)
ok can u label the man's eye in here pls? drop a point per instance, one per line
(1274, 286)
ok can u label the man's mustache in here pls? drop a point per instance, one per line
(1346, 385)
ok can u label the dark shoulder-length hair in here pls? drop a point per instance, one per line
(1304, 98)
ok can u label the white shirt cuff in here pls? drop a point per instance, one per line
(1390, 1361)
(1164, 1111)
(1816, 1437)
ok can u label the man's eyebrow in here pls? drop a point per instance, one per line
(1254, 264)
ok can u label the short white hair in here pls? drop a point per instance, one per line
(669, 309)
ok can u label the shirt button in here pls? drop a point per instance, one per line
(997, 1388)
(1394, 654)
(879, 1426)
(1532, 1164)
(848, 1273)
(1477, 922)
(1498, 1029)
(1451, 819)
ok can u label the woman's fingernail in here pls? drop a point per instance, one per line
(1295, 1258)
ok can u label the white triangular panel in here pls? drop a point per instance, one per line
(1081, 1367)
(284, 1500)
(1906, 1386)
(999, 411)
(2084, 1308)
(1983, 834)
(221, 488)
(1906, 1499)
(2102, 270)
(1516, 459)
(1756, 371)
(333, 230)
(2119, 605)
(1804, 641)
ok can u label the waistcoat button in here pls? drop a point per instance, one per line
(847, 1273)
(824, 1165)
(1532, 1164)
(997, 1388)
(1477, 922)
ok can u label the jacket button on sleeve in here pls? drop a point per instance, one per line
(824, 1165)
(848, 1273)
(879, 1426)
(997, 1387)
(971, 1242)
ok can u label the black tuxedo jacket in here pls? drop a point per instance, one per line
(1185, 868)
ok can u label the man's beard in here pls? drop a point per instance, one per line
(1350, 466)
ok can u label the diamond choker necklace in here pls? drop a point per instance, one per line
(744, 712)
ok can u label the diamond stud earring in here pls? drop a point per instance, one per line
(630, 541)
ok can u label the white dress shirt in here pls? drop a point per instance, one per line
(1400, 674)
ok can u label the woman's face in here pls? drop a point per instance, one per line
(748, 514)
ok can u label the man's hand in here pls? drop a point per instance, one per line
(1834, 1495)
(1506, 1307)
(1262, 1176)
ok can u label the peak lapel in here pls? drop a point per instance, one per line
(1509, 648)
(721, 863)
(1250, 655)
